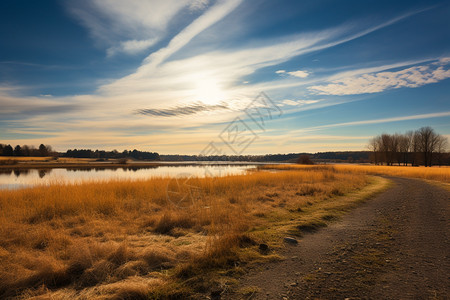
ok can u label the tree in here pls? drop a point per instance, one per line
(386, 148)
(395, 148)
(416, 148)
(404, 146)
(18, 151)
(374, 146)
(49, 150)
(428, 140)
(441, 147)
(43, 151)
(8, 151)
(26, 150)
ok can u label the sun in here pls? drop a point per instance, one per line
(208, 90)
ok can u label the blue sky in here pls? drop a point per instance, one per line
(170, 76)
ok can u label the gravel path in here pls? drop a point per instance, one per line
(394, 246)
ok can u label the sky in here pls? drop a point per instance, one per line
(221, 76)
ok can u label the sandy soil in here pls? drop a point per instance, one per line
(394, 246)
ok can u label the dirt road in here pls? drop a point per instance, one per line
(394, 246)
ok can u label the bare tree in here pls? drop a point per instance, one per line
(374, 146)
(404, 146)
(428, 141)
(441, 148)
(395, 148)
(386, 148)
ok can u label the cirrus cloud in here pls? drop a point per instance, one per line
(129, 26)
(380, 81)
(298, 102)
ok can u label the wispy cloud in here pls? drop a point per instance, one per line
(131, 46)
(394, 119)
(198, 5)
(209, 18)
(125, 26)
(377, 82)
(298, 102)
(44, 105)
(182, 110)
(378, 121)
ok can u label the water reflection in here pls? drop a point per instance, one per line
(21, 178)
(43, 172)
(19, 172)
(6, 171)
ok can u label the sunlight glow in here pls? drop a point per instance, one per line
(208, 89)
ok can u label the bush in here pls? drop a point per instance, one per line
(122, 161)
(304, 160)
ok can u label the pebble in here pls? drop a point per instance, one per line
(291, 240)
(263, 248)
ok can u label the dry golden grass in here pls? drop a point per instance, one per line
(25, 158)
(126, 240)
(47, 158)
(71, 160)
(431, 173)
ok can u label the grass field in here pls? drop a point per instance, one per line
(129, 240)
(432, 173)
(24, 158)
(47, 158)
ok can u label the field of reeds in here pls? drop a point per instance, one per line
(161, 238)
(437, 173)
(25, 158)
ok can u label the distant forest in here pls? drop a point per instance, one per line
(25, 150)
(336, 156)
(114, 154)
(46, 150)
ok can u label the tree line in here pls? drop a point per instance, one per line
(341, 156)
(420, 147)
(46, 150)
(114, 154)
(26, 150)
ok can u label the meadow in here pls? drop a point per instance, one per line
(436, 173)
(162, 238)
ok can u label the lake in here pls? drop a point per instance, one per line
(22, 178)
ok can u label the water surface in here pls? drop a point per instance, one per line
(22, 178)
